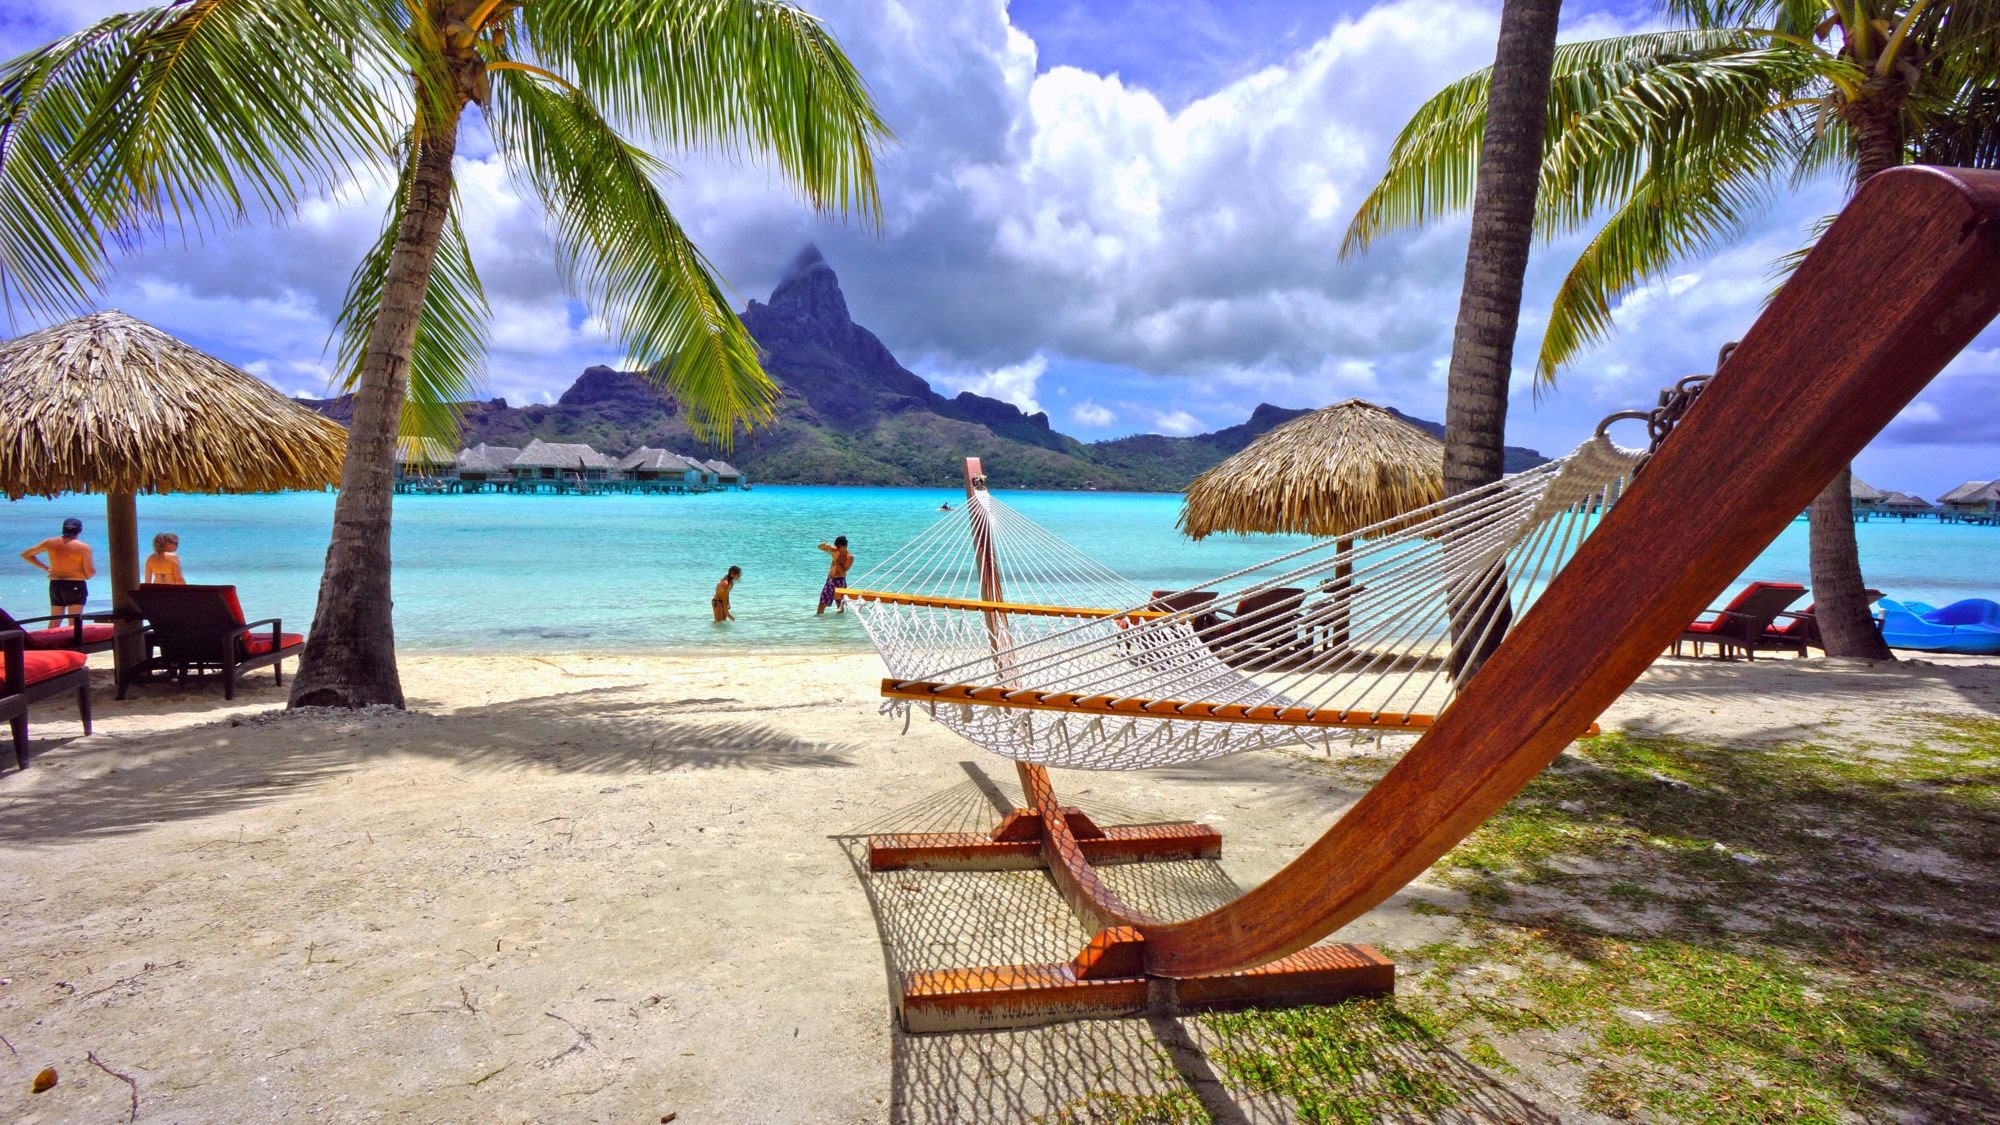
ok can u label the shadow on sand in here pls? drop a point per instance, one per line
(121, 783)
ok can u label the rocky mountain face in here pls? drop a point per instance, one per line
(850, 414)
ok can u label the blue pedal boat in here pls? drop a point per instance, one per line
(1971, 626)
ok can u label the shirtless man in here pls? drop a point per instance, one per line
(70, 567)
(836, 575)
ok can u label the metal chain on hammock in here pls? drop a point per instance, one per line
(1673, 405)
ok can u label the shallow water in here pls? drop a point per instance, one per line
(492, 572)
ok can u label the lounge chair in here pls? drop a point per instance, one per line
(201, 628)
(89, 633)
(28, 675)
(1200, 602)
(1263, 626)
(1741, 623)
(1795, 632)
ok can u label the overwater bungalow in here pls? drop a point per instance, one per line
(424, 465)
(1866, 498)
(646, 469)
(1905, 506)
(486, 466)
(561, 467)
(727, 475)
(1975, 501)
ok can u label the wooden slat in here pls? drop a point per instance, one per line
(1019, 609)
(926, 691)
(979, 851)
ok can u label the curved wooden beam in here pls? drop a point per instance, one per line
(1903, 281)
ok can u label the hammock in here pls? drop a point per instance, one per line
(1078, 667)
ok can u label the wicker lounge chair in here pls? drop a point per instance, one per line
(28, 675)
(1740, 624)
(1192, 600)
(200, 629)
(89, 633)
(1256, 631)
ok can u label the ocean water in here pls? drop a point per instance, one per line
(503, 572)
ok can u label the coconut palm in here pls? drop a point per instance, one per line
(202, 113)
(1684, 135)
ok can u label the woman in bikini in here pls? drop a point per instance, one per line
(163, 566)
(720, 602)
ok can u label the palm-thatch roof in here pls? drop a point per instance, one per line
(106, 403)
(484, 458)
(649, 460)
(1327, 474)
(1865, 493)
(723, 468)
(1972, 492)
(541, 454)
(424, 451)
(1903, 501)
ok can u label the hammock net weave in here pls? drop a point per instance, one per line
(1044, 655)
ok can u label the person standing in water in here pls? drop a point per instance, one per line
(163, 566)
(720, 602)
(70, 568)
(836, 575)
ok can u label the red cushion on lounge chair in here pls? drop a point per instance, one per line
(1704, 626)
(46, 664)
(60, 638)
(235, 607)
(259, 643)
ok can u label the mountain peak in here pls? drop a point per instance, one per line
(810, 289)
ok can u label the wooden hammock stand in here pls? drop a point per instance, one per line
(1808, 387)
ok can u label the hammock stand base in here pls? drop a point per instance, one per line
(1107, 980)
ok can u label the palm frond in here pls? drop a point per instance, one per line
(1681, 208)
(448, 357)
(1433, 164)
(1782, 269)
(625, 254)
(735, 76)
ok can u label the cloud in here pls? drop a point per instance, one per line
(1013, 383)
(1088, 413)
(1177, 422)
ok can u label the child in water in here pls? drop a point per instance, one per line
(163, 566)
(720, 603)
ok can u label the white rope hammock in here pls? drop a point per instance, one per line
(1077, 667)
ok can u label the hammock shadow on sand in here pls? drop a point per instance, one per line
(126, 783)
(1154, 1067)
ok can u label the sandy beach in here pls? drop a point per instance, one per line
(610, 888)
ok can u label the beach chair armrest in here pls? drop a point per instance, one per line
(13, 657)
(273, 622)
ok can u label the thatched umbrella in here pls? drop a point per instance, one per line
(1326, 474)
(106, 403)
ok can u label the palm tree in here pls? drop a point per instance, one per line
(1685, 135)
(198, 113)
(1489, 308)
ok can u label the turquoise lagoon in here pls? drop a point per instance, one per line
(634, 573)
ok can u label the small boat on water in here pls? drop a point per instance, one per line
(1971, 626)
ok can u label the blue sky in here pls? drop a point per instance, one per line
(1124, 212)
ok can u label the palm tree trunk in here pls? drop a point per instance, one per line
(1840, 598)
(350, 655)
(1489, 308)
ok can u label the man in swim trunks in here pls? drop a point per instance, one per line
(836, 575)
(70, 568)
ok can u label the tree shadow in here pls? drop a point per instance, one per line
(1157, 1067)
(112, 783)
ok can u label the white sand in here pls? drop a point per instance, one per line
(603, 888)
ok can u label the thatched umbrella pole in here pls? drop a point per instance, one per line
(121, 535)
